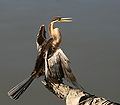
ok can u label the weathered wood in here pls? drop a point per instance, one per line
(74, 96)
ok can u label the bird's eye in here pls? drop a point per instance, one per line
(59, 19)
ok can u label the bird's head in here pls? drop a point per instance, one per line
(61, 19)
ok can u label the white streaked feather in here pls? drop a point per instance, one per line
(46, 64)
(61, 53)
(38, 47)
(55, 62)
(54, 59)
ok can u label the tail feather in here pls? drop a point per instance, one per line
(19, 89)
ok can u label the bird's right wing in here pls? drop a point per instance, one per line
(41, 38)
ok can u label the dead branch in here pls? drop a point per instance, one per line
(74, 96)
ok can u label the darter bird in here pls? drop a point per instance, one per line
(51, 62)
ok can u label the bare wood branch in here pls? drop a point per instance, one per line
(74, 96)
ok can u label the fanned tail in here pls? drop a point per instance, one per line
(19, 89)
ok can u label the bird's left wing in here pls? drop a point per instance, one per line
(68, 74)
(59, 66)
(41, 38)
(55, 70)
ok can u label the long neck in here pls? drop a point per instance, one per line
(50, 28)
(55, 34)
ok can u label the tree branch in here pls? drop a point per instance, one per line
(74, 96)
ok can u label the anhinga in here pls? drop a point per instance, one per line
(51, 61)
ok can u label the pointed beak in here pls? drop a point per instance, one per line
(66, 20)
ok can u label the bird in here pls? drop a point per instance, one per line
(51, 61)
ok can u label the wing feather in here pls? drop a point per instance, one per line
(41, 38)
(59, 66)
(55, 67)
(66, 67)
(68, 75)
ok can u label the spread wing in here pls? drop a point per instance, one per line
(40, 42)
(59, 67)
(55, 70)
(65, 63)
(41, 38)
